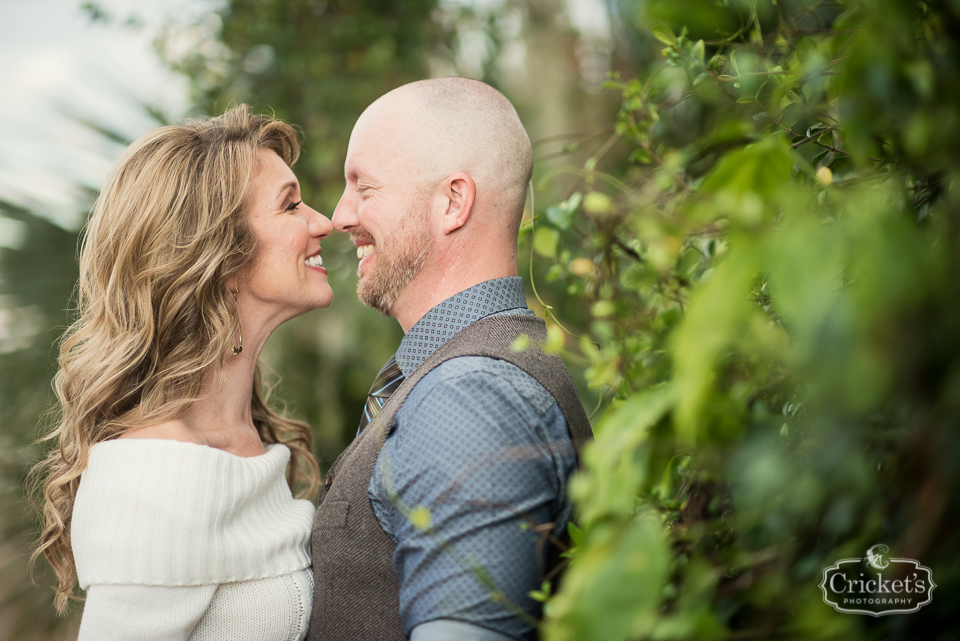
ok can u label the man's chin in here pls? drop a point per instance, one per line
(371, 296)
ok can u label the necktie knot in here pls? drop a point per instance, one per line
(386, 383)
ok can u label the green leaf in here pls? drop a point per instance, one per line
(545, 241)
(791, 114)
(761, 168)
(665, 35)
(813, 128)
(698, 50)
(716, 316)
(621, 577)
(543, 594)
(561, 215)
(576, 534)
(808, 53)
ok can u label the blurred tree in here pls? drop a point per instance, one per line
(37, 275)
(772, 283)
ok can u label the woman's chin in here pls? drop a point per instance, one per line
(324, 302)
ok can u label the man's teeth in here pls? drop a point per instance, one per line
(364, 250)
(315, 261)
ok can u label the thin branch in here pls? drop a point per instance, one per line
(579, 134)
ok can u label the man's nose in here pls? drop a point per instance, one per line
(345, 214)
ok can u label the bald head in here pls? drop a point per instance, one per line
(445, 125)
(436, 178)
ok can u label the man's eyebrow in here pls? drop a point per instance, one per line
(290, 184)
(357, 171)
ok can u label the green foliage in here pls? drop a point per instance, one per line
(772, 277)
(37, 276)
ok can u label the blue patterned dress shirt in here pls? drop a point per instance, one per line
(485, 449)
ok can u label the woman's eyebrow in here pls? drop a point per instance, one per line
(285, 186)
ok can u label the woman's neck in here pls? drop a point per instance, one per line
(221, 418)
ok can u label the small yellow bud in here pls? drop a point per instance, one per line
(555, 340)
(603, 308)
(581, 266)
(521, 343)
(597, 203)
(421, 518)
(825, 176)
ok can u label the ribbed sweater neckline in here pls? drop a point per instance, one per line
(163, 512)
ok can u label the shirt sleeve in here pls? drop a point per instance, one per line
(479, 459)
(447, 630)
(143, 612)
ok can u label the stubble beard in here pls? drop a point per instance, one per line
(399, 260)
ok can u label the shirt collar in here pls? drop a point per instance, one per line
(438, 325)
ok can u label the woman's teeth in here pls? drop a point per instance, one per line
(314, 261)
(364, 250)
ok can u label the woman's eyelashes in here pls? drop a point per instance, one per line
(293, 206)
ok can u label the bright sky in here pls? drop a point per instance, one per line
(56, 65)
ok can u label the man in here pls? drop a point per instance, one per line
(432, 524)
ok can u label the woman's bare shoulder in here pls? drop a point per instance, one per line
(239, 442)
(173, 430)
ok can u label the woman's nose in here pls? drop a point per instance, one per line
(320, 225)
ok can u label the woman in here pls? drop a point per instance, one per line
(183, 525)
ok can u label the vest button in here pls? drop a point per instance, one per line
(328, 481)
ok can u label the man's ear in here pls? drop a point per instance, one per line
(460, 192)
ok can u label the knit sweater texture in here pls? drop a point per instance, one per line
(177, 540)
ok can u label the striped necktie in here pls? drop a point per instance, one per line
(386, 383)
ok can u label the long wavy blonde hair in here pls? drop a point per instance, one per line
(154, 312)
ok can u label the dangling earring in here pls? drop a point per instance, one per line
(239, 346)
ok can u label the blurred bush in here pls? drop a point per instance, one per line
(772, 279)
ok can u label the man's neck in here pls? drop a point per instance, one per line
(420, 297)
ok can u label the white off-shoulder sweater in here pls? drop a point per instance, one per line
(182, 541)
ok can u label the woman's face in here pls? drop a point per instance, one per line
(286, 277)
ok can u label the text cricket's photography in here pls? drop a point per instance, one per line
(877, 584)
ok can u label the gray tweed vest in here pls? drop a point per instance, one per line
(357, 596)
